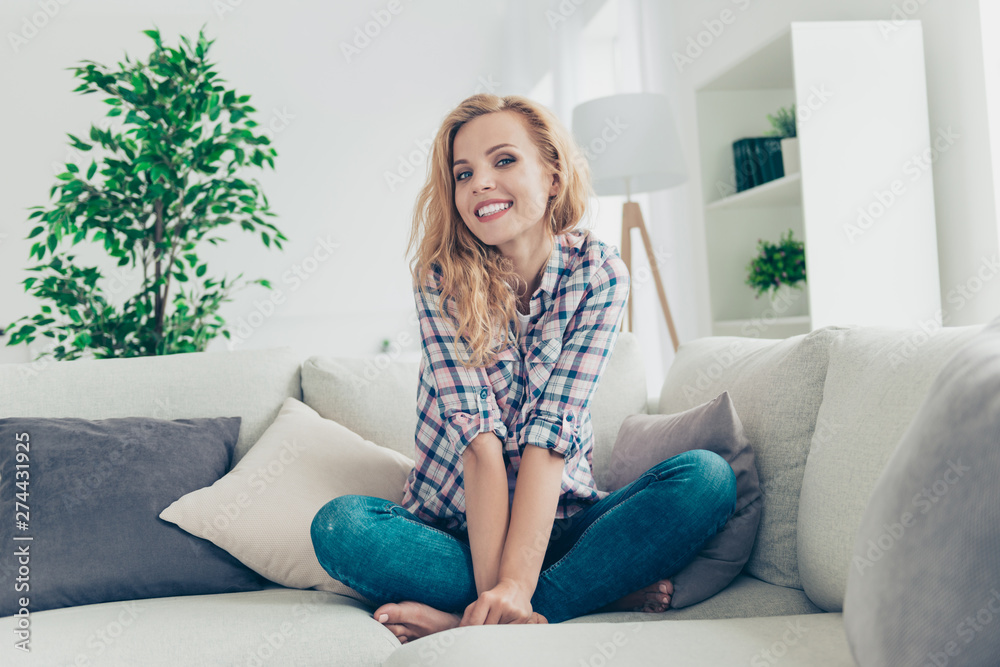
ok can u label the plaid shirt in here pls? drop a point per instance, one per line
(538, 394)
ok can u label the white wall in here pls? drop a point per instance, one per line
(989, 16)
(342, 126)
(346, 125)
(965, 200)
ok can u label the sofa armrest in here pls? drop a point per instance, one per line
(653, 404)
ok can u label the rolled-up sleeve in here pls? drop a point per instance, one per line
(564, 405)
(465, 396)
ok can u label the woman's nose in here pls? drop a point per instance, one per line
(481, 184)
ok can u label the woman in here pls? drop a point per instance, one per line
(504, 442)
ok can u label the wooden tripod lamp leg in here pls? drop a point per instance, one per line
(632, 219)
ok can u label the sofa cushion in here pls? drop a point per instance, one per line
(813, 640)
(776, 387)
(275, 626)
(250, 384)
(875, 383)
(90, 493)
(924, 582)
(745, 596)
(261, 511)
(646, 440)
(378, 401)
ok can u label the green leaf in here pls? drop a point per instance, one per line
(180, 276)
(91, 170)
(201, 270)
(52, 242)
(35, 232)
(76, 316)
(267, 239)
(72, 168)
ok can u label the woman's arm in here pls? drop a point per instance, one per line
(536, 496)
(486, 509)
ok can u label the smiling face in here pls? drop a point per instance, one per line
(495, 161)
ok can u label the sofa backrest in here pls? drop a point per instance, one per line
(776, 386)
(378, 402)
(251, 384)
(875, 383)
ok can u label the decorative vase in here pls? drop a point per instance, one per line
(779, 299)
(790, 155)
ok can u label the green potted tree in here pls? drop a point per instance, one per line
(783, 122)
(777, 269)
(166, 183)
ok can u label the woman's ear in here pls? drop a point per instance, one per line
(554, 188)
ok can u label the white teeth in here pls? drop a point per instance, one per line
(491, 209)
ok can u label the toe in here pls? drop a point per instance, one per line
(396, 629)
(390, 610)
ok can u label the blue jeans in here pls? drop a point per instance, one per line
(645, 531)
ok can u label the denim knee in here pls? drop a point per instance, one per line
(330, 520)
(717, 479)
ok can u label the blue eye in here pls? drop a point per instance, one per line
(459, 178)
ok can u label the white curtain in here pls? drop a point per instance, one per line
(631, 34)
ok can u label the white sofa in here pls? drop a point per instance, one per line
(823, 412)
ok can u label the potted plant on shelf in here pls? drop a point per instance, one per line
(169, 181)
(783, 122)
(777, 269)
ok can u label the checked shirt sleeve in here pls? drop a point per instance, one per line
(563, 408)
(465, 396)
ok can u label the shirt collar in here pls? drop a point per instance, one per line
(557, 265)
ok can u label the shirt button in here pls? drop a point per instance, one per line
(569, 418)
(483, 393)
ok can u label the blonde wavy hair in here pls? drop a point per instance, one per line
(476, 277)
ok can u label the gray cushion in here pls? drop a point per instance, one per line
(93, 493)
(266, 628)
(876, 381)
(924, 583)
(777, 387)
(250, 384)
(744, 597)
(380, 404)
(645, 440)
(813, 640)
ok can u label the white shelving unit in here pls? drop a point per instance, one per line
(862, 125)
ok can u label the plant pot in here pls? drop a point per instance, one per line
(790, 155)
(785, 301)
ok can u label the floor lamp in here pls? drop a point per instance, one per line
(632, 146)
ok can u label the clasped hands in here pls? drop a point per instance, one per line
(507, 602)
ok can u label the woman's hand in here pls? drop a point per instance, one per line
(507, 602)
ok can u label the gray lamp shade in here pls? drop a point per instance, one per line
(631, 143)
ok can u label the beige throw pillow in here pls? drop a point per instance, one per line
(261, 511)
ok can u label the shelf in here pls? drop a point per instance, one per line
(784, 191)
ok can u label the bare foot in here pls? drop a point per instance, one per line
(652, 598)
(412, 620)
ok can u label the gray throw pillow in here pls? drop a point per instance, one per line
(924, 582)
(645, 440)
(91, 493)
